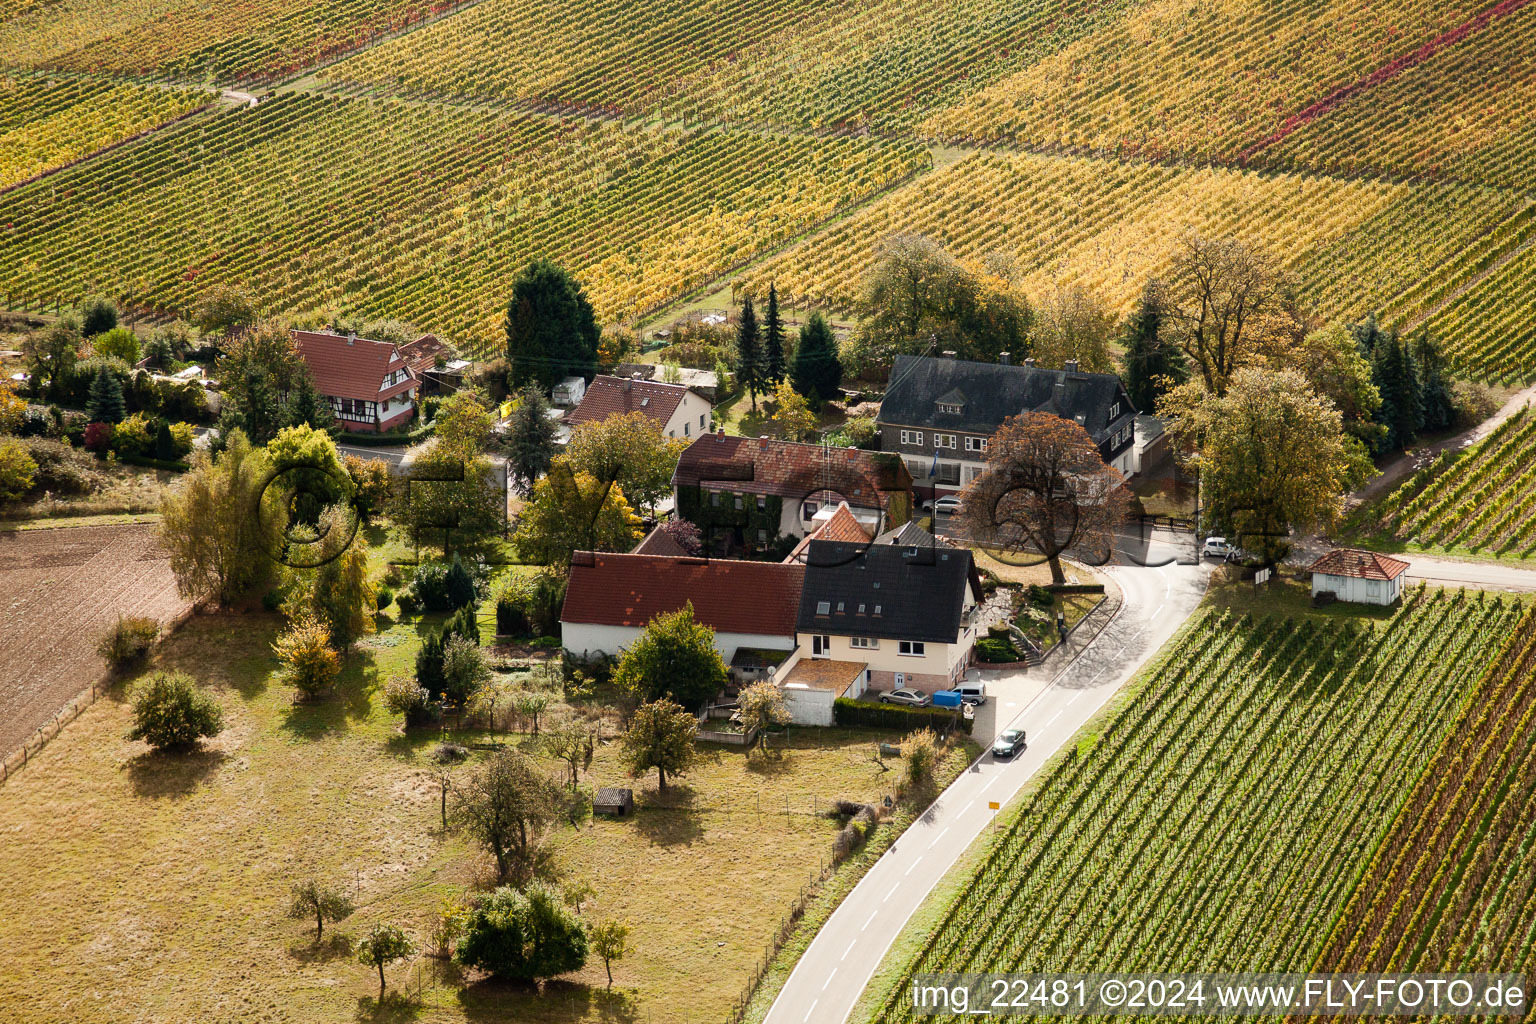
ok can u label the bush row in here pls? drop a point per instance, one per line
(891, 716)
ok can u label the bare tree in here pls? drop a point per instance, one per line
(1221, 300)
(1046, 490)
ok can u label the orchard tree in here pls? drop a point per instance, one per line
(763, 706)
(551, 328)
(223, 307)
(610, 940)
(574, 512)
(383, 945)
(463, 425)
(523, 935)
(312, 899)
(675, 657)
(531, 443)
(817, 372)
(750, 368)
(773, 340)
(119, 343)
(219, 537)
(660, 737)
(506, 807)
(1046, 490)
(171, 713)
(629, 450)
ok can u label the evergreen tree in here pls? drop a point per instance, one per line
(1434, 383)
(429, 665)
(106, 403)
(817, 370)
(749, 357)
(259, 413)
(1393, 373)
(460, 587)
(1151, 365)
(773, 341)
(165, 444)
(306, 406)
(531, 443)
(551, 328)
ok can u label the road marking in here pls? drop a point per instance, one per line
(873, 913)
(829, 978)
(812, 1008)
(891, 893)
(937, 838)
(914, 864)
(840, 959)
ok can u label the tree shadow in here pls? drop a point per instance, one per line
(769, 763)
(350, 699)
(333, 947)
(393, 1007)
(669, 826)
(492, 1001)
(173, 775)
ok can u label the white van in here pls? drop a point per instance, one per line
(971, 693)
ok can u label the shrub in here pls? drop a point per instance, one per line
(371, 484)
(465, 623)
(920, 752)
(441, 586)
(406, 602)
(171, 713)
(383, 598)
(98, 315)
(846, 712)
(405, 697)
(309, 663)
(997, 650)
(98, 437)
(530, 605)
(133, 436)
(523, 936)
(1041, 596)
(18, 470)
(61, 467)
(128, 641)
(119, 342)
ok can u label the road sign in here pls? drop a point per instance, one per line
(993, 804)
(1262, 576)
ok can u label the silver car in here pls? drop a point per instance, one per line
(911, 698)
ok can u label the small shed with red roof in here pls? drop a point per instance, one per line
(1363, 577)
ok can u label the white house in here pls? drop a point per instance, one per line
(1363, 577)
(369, 384)
(610, 598)
(676, 410)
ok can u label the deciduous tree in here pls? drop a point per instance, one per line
(219, 537)
(222, 307)
(171, 713)
(314, 899)
(98, 314)
(1046, 490)
(571, 512)
(763, 707)
(1073, 324)
(523, 935)
(629, 450)
(383, 945)
(610, 940)
(791, 413)
(310, 662)
(1223, 298)
(660, 737)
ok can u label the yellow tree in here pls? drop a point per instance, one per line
(792, 413)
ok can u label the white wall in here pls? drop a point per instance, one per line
(591, 638)
(1358, 591)
(808, 706)
(687, 414)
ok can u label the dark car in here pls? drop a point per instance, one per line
(1008, 743)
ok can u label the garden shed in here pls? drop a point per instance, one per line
(1363, 577)
(614, 801)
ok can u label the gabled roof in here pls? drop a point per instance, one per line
(421, 354)
(991, 392)
(729, 596)
(885, 590)
(840, 526)
(659, 542)
(788, 469)
(912, 535)
(618, 396)
(346, 366)
(1365, 565)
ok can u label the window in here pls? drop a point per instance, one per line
(943, 440)
(762, 537)
(877, 609)
(821, 646)
(864, 643)
(808, 510)
(671, 433)
(977, 444)
(912, 437)
(687, 427)
(1114, 411)
(823, 607)
(949, 407)
(738, 501)
(762, 502)
(839, 607)
(714, 499)
(703, 421)
(949, 473)
(912, 648)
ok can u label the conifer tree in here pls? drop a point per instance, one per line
(817, 370)
(749, 357)
(1434, 384)
(773, 341)
(1151, 364)
(106, 403)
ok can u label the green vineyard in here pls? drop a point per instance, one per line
(1222, 818)
(1481, 500)
(425, 212)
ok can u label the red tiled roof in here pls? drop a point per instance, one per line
(842, 526)
(615, 396)
(660, 542)
(350, 367)
(1365, 565)
(421, 354)
(728, 596)
(788, 469)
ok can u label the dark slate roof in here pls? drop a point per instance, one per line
(919, 591)
(912, 535)
(989, 393)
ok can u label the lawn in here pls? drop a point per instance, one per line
(128, 869)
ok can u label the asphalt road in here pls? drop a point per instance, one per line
(389, 455)
(1448, 572)
(832, 974)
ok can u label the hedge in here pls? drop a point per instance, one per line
(896, 716)
(1076, 588)
(377, 440)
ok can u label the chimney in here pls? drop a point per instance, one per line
(1029, 361)
(1005, 358)
(629, 383)
(948, 353)
(1070, 366)
(351, 337)
(719, 433)
(762, 440)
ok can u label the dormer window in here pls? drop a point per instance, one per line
(949, 407)
(1114, 411)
